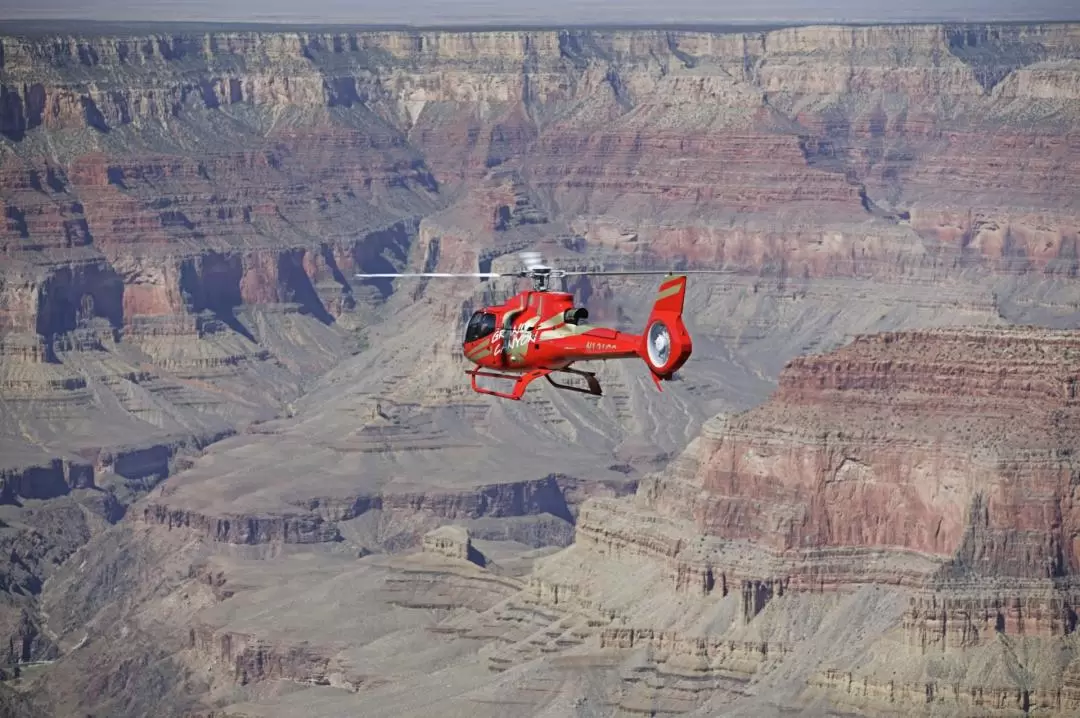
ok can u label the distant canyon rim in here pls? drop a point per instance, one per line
(234, 481)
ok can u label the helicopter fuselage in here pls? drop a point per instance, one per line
(541, 330)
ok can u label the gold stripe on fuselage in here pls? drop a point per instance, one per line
(563, 331)
(552, 322)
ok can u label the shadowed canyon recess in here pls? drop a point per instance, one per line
(236, 482)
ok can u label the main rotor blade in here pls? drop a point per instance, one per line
(531, 259)
(434, 274)
(671, 272)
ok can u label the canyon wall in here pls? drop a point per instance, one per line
(925, 481)
(183, 212)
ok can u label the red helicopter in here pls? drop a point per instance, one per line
(539, 332)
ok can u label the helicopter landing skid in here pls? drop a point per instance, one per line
(522, 381)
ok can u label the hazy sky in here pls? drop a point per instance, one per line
(541, 11)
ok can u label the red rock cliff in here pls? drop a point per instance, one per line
(957, 444)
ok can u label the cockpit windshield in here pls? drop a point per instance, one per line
(480, 325)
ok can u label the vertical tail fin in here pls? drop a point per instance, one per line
(665, 343)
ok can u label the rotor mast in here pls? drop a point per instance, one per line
(536, 270)
(541, 278)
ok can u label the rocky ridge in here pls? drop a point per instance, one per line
(662, 603)
(936, 467)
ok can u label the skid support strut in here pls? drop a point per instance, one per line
(590, 379)
(522, 381)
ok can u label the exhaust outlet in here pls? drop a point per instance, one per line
(576, 315)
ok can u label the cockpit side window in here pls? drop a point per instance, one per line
(481, 324)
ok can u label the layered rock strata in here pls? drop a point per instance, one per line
(935, 465)
(187, 194)
(664, 603)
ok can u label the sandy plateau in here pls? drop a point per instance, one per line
(237, 483)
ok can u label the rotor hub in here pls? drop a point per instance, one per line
(541, 277)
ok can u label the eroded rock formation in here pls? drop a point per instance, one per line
(184, 211)
(940, 463)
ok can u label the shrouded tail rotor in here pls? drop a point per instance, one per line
(658, 343)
